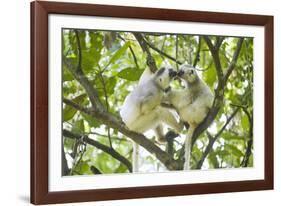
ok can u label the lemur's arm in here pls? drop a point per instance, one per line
(149, 102)
(178, 98)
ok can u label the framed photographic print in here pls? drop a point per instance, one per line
(131, 102)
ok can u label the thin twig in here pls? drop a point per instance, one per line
(234, 59)
(79, 160)
(215, 54)
(100, 146)
(107, 106)
(105, 136)
(65, 169)
(197, 55)
(212, 140)
(177, 49)
(163, 53)
(132, 51)
(149, 59)
(111, 121)
(79, 50)
(219, 91)
(248, 152)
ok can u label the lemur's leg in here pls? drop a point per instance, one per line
(136, 150)
(160, 134)
(187, 146)
(145, 122)
(141, 125)
(168, 118)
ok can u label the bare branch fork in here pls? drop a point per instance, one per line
(111, 121)
(196, 58)
(149, 59)
(161, 52)
(131, 50)
(212, 140)
(222, 79)
(248, 152)
(100, 146)
(99, 112)
(246, 158)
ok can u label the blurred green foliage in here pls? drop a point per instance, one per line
(114, 61)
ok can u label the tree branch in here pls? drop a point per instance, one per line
(100, 146)
(111, 121)
(79, 50)
(65, 169)
(162, 53)
(107, 104)
(76, 106)
(219, 91)
(99, 112)
(83, 80)
(197, 55)
(234, 60)
(95, 170)
(149, 61)
(212, 140)
(215, 54)
(131, 50)
(248, 152)
(219, 40)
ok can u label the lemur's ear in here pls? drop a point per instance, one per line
(172, 73)
(160, 71)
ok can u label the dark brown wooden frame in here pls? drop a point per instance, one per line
(39, 102)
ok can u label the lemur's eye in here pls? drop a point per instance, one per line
(191, 71)
(160, 79)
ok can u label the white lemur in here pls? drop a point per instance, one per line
(142, 111)
(192, 103)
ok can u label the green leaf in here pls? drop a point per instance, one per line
(121, 169)
(91, 120)
(119, 53)
(110, 85)
(213, 159)
(72, 41)
(68, 111)
(67, 76)
(196, 152)
(91, 56)
(131, 74)
(210, 76)
(78, 126)
(68, 143)
(234, 150)
(229, 136)
(84, 168)
(88, 61)
(222, 153)
(245, 122)
(82, 37)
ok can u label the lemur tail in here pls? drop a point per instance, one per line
(136, 151)
(187, 149)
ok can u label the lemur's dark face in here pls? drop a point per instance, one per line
(187, 73)
(172, 73)
(164, 76)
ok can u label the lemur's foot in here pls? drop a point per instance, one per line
(186, 166)
(171, 135)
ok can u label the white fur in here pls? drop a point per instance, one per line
(192, 103)
(141, 110)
